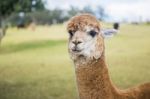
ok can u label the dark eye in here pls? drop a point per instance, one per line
(92, 33)
(70, 33)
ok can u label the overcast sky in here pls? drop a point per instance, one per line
(117, 9)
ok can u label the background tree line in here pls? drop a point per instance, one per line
(51, 16)
(13, 12)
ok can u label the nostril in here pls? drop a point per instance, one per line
(76, 42)
(73, 42)
(79, 42)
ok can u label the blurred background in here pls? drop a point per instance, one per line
(34, 61)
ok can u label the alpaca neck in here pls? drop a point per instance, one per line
(93, 81)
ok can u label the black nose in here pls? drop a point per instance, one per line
(76, 42)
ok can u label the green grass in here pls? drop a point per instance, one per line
(36, 64)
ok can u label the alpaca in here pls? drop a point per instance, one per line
(86, 49)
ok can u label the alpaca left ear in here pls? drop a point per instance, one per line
(108, 32)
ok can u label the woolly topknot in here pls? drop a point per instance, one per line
(78, 22)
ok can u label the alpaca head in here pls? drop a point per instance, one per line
(85, 39)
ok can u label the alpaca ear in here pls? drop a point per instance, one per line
(108, 32)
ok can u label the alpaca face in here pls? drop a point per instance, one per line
(85, 40)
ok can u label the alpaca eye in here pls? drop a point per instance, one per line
(70, 33)
(92, 33)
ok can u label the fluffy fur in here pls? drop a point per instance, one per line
(92, 75)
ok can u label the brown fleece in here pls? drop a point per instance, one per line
(93, 80)
(79, 22)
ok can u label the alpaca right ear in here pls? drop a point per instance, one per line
(108, 32)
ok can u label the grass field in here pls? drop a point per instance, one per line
(36, 64)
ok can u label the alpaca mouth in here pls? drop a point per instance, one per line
(76, 50)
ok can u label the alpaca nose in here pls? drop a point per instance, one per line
(76, 42)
